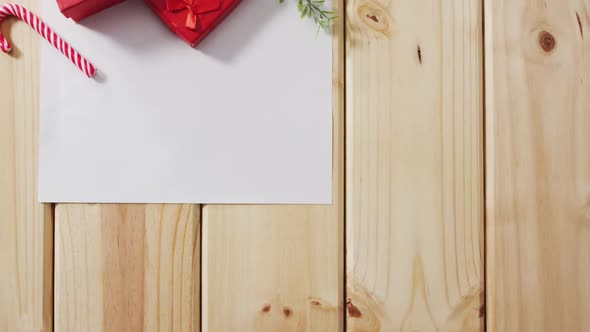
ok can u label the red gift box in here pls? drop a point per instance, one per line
(79, 9)
(192, 20)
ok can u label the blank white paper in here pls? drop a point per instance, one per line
(245, 117)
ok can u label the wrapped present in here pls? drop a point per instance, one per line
(192, 20)
(79, 9)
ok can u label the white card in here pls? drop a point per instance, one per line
(246, 117)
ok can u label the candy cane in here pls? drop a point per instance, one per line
(36, 23)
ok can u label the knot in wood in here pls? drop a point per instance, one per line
(287, 311)
(374, 17)
(547, 41)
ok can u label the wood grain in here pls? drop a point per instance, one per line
(279, 268)
(127, 267)
(414, 187)
(538, 165)
(26, 227)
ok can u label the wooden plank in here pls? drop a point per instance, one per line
(279, 268)
(26, 227)
(538, 165)
(414, 202)
(127, 267)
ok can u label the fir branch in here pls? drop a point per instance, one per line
(316, 10)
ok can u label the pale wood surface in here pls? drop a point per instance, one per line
(538, 165)
(279, 268)
(414, 194)
(414, 165)
(26, 229)
(127, 267)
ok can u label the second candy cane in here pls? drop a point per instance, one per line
(45, 31)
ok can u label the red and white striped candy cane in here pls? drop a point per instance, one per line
(36, 23)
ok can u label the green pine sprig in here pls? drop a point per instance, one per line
(316, 10)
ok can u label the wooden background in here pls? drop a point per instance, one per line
(461, 195)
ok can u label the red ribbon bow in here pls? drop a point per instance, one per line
(194, 7)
